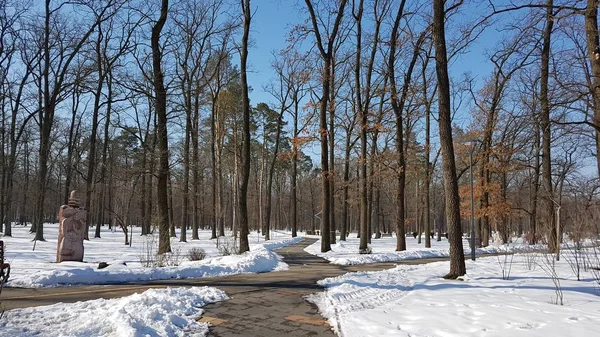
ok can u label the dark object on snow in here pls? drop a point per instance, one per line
(4, 267)
(102, 265)
(414, 234)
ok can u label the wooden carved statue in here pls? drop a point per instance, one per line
(71, 231)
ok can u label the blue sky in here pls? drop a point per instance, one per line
(273, 19)
(269, 27)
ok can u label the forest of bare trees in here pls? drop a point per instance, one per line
(144, 108)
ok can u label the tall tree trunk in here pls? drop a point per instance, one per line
(186, 169)
(270, 176)
(46, 118)
(215, 181)
(534, 186)
(103, 170)
(327, 56)
(332, 152)
(171, 217)
(457, 262)
(294, 177)
(345, 218)
(398, 107)
(91, 159)
(545, 126)
(364, 124)
(427, 163)
(196, 179)
(164, 244)
(593, 48)
(245, 169)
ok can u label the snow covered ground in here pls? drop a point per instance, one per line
(37, 268)
(155, 312)
(415, 301)
(404, 301)
(383, 250)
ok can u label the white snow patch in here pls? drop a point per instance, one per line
(414, 300)
(384, 250)
(155, 312)
(37, 268)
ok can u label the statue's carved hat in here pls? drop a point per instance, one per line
(73, 202)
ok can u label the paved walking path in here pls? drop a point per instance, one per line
(267, 304)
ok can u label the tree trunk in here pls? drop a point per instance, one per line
(196, 181)
(295, 170)
(245, 169)
(398, 107)
(91, 158)
(345, 218)
(164, 244)
(327, 56)
(270, 176)
(545, 126)
(457, 262)
(362, 160)
(593, 48)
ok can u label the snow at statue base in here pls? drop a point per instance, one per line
(155, 312)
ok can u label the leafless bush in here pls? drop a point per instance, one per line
(149, 257)
(227, 245)
(593, 265)
(171, 259)
(196, 254)
(548, 265)
(147, 253)
(505, 261)
(575, 257)
(531, 260)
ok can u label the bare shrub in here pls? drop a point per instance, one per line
(548, 265)
(505, 261)
(593, 265)
(530, 260)
(196, 254)
(170, 259)
(149, 257)
(148, 250)
(575, 257)
(227, 245)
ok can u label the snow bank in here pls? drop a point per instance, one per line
(415, 301)
(35, 268)
(155, 312)
(383, 250)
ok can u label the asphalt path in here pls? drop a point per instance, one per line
(266, 304)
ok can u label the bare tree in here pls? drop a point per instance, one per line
(457, 262)
(326, 51)
(245, 169)
(160, 106)
(54, 80)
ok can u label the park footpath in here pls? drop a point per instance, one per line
(267, 304)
